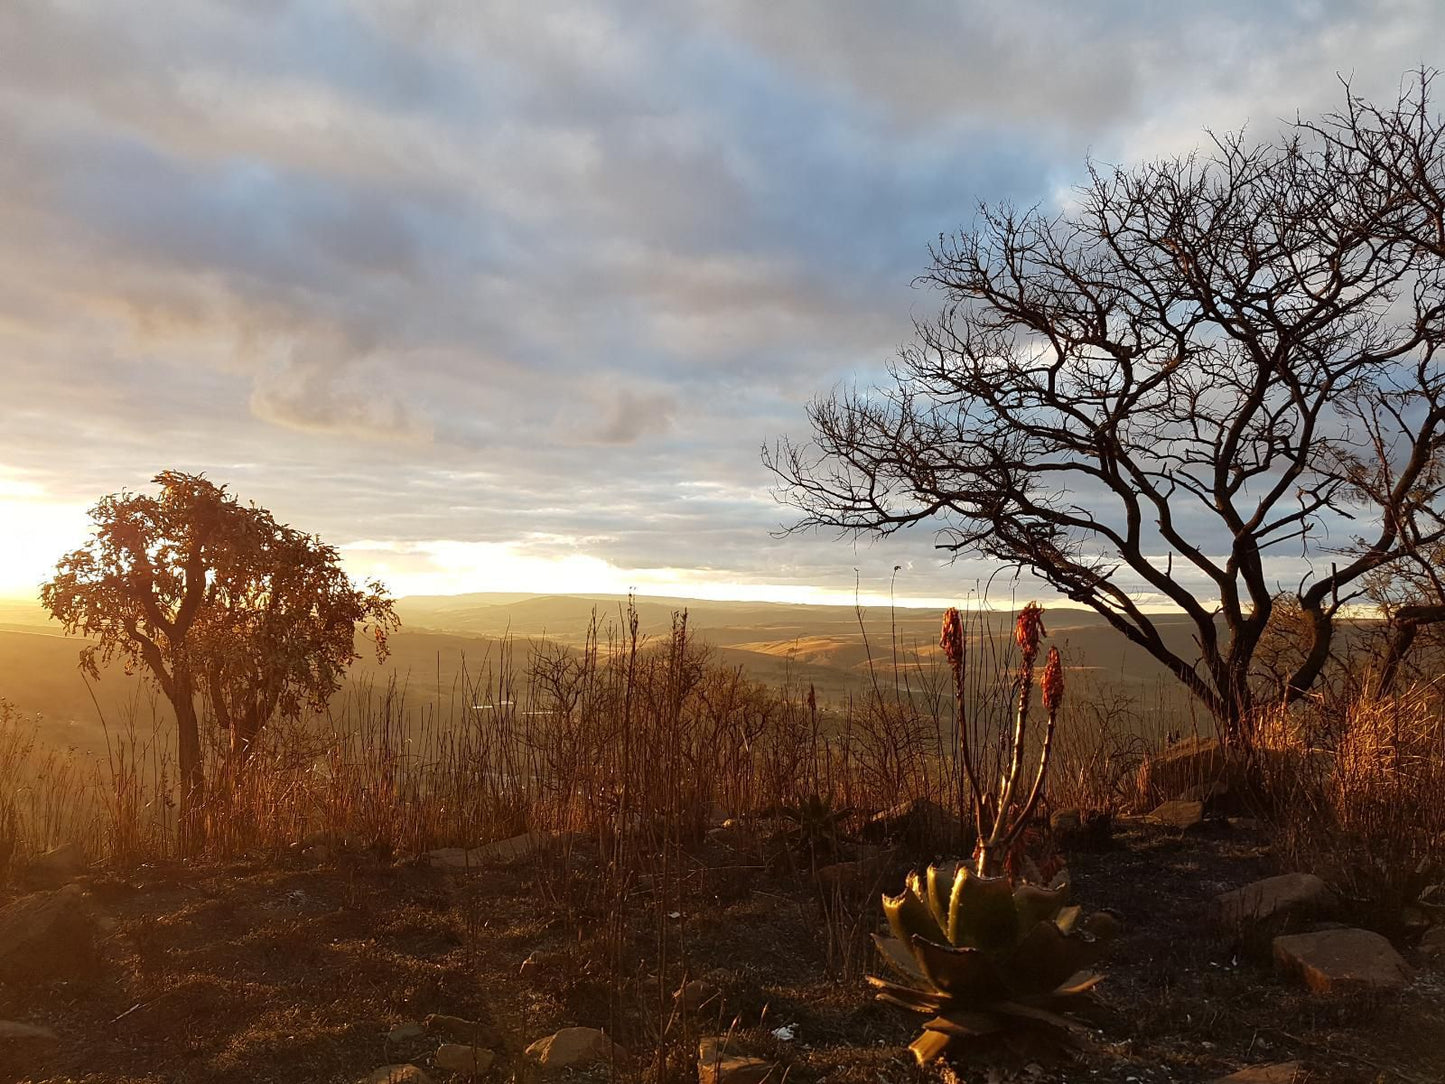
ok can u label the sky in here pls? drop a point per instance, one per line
(508, 296)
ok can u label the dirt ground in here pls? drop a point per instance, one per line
(257, 974)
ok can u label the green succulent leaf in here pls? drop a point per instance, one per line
(963, 1024)
(1077, 984)
(981, 913)
(899, 957)
(929, 1046)
(967, 975)
(908, 915)
(1034, 904)
(941, 880)
(1068, 918)
(1043, 1016)
(1045, 958)
(907, 997)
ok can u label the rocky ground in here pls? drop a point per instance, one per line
(523, 966)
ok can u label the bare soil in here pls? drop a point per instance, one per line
(256, 974)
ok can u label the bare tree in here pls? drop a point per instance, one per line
(1206, 362)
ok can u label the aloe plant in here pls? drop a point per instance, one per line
(986, 958)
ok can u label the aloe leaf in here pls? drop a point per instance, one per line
(1077, 984)
(1068, 918)
(1034, 904)
(907, 996)
(963, 1024)
(981, 913)
(965, 974)
(941, 880)
(1043, 1016)
(897, 956)
(908, 915)
(928, 1046)
(1045, 958)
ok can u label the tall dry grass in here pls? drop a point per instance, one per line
(1355, 788)
(641, 741)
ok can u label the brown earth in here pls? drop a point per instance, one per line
(253, 973)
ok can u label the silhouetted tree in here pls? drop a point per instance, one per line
(1203, 362)
(207, 596)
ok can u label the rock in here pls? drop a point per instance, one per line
(1334, 961)
(920, 820)
(25, 1042)
(1066, 825)
(48, 935)
(1089, 830)
(1275, 898)
(58, 865)
(1432, 945)
(472, 1060)
(1279, 1072)
(504, 852)
(572, 1047)
(396, 1074)
(1181, 815)
(457, 1030)
(451, 858)
(406, 1033)
(1104, 925)
(1182, 765)
(697, 994)
(1432, 902)
(1211, 792)
(717, 1065)
(851, 876)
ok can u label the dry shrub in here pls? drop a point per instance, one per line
(640, 743)
(1356, 793)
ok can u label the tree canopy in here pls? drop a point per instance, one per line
(1202, 365)
(207, 596)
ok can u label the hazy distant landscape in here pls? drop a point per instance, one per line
(838, 650)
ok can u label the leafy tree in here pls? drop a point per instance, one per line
(1204, 363)
(205, 595)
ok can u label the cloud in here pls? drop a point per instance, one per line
(425, 271)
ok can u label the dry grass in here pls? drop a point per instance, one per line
(1356, 796)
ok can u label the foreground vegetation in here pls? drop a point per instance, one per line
(695, 826)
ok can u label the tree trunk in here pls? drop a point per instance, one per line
(244, 729)
(192, 771)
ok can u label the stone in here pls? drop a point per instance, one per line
(1066, 823)
(1181, 815)
(396, 1074)
(1104, 925)
(58, 865)
(851, 876)
(14, 1035)
(716, 1064)
(1290, 895)
(573, 1047)
(457, 1030)
(1184, 764)
(406, 1033)
(504, 852)
(1432, 944)
(1210, 793)
(697, 994)
(920, 820)
(1336, 961)
(48, 935)
(456, 1058)
(1278, 1072)
(1087, 830)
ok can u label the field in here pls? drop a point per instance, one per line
(534, 819)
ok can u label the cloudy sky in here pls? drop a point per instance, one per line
(507, 296)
